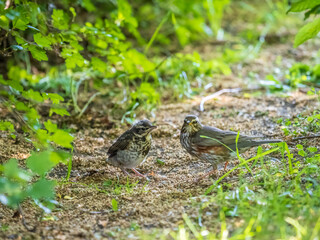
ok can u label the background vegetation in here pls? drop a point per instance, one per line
(59, 58)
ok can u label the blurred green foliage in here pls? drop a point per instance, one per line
(57, 57)
(311, 29)
(51, 50)
(298, 76)
(18, 184)
(60, 55)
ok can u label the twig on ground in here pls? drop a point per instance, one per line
(24, 221)
(305, 137)
(291, 141)
(216, 94)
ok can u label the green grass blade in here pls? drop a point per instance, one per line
(241, 159)
(203, 136)
(89, 101)
(316, 230)
(155, 34)
(241, 164)
(69, 167)
(259, 151)
(238, 154)
(290, 156)
(192, 227)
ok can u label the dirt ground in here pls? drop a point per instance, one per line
(86, 212)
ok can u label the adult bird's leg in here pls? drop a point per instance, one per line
(137, 173)
(214, 170)
(225, 165)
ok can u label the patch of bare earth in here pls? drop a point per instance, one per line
(86, 211)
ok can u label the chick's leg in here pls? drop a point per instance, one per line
(137, 173)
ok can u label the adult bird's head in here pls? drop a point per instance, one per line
(191, 124)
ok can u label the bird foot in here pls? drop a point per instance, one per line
(139, 174)
(225, 166)
(157, 176)
(205, 175)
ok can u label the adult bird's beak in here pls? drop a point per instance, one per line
(153, 127)
(190, 123)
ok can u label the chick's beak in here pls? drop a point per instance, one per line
(153, 127)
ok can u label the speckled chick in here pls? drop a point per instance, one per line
(132, 147)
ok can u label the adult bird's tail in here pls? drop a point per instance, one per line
(259, 142)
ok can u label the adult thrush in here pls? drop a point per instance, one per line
(212, 144)
(132, 147)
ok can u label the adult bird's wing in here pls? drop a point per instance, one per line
(218, 137)
(121, 143)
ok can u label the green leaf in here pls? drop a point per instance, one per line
(134, 59)
(51, 127)
(19, 39)
(21, 24)
(299, 146)
(74, 60)
(62, 138)
(60, 111)
(12, 14)
(15, 84)
(41, 40)
(87, 4)
(38, 53)
(307, 32)
(183, 35)
(303, 5)
(11, 170)
(42, 189)
(125, 13)
(32, 116)
(32, 95)
(6, 126)
(160, 162)
(312, 149)
(146, 92)
(11, 192)
(73, 11)
(60, 20)
(42, 162)
(4, 22)
(55, 98)
(63, 156)
(310, 119)
(114, 204)
(302, 153)
(98, 64)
